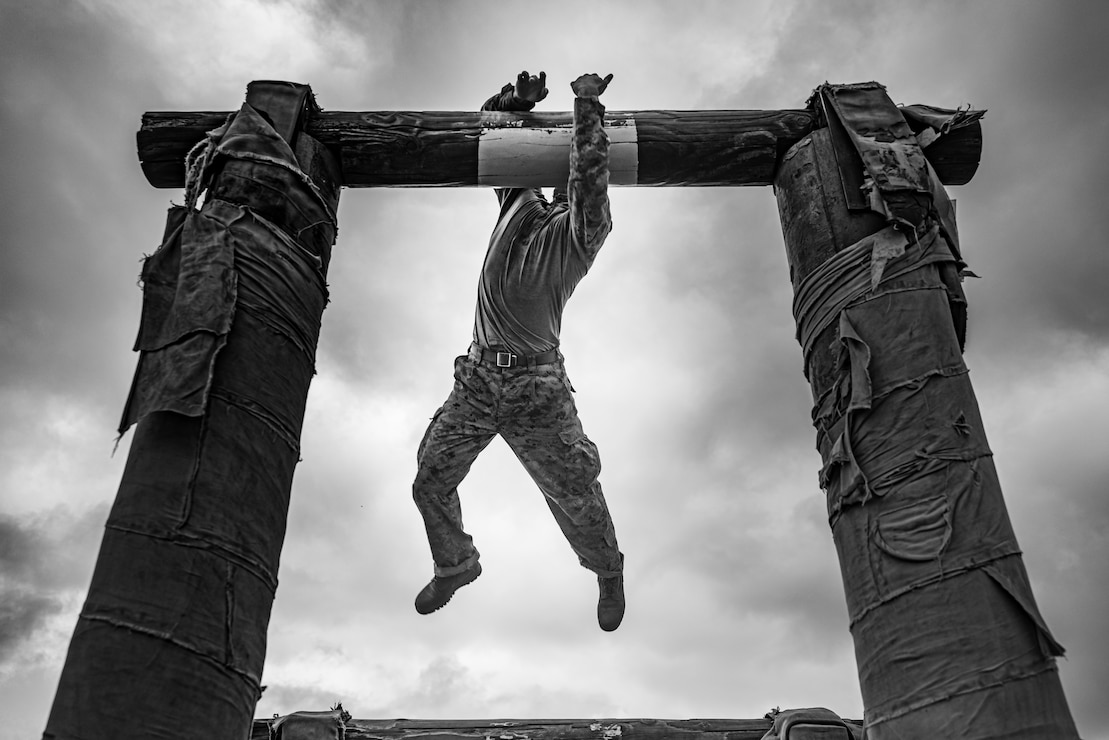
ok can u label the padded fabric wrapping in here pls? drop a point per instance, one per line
(188, 566)
(949, 641)
(938, 598)
(228, 257)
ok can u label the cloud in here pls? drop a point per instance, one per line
(445, 687)
(680, 343)
(403, 286)
(1034, 225)
(67, 292)
(22, 608)
(22, 613)
(38, 575)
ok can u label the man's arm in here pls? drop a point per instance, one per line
(515, 98)
(590, 217)
(521, 96)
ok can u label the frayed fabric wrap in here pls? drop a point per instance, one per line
(187, 570)
(914, 502)
(189, 289)
(949, 641)
(825, 293)
(230, 257)
(898, 181)
(885, 141)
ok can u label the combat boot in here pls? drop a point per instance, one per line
(610, 605)
(439, 591)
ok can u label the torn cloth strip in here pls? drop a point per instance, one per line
(940, 120)
(892, 155)
(858, 465)
(883, 138)
(189, 290)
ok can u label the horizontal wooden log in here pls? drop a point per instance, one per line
(470, 149)
(548, 729)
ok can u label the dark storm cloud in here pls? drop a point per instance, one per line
(746, 354)
(1043, 179)
(1061, 519)
(21, 614)
(70, 211)
(42, 558)
(780, 566)
(28, 546)
(19, 554)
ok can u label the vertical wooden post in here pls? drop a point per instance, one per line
(172, 637)
(948, 639)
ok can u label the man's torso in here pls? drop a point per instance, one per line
(531, 268)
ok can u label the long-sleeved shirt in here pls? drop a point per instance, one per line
(540, 250)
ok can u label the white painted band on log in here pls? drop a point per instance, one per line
(540, 157)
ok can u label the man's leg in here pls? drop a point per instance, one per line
(545, 433)
(458, 432)
(547, 437)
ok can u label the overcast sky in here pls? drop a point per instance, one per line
(679, 342)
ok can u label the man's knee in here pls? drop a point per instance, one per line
(427, 485)
(583, 505)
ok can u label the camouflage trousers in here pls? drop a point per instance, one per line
(535, 414)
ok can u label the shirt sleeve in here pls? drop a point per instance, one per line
(587, 190)
(507, 101)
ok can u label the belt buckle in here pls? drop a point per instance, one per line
(506, 359)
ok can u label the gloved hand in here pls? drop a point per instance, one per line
(531, 88)
(589, 85)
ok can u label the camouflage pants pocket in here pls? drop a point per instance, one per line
(582, 459)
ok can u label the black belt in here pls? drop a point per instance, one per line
(511, 359)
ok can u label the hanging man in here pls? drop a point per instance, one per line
(513, 381)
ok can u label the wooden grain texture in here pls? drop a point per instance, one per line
(546, 729)
(440, 148)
